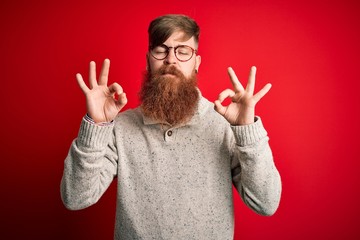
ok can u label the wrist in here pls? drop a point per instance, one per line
(92, 121)
(245, 120)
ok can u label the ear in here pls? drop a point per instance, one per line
(197, 63)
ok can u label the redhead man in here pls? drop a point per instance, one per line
(177, 155)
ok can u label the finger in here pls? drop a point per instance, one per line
(103, 79)
(92, 74)
(225, 94)
(81, 83)
(122, 101)
(235, 81)
(262, 92)
(115, 88)
(251, 81)
(219, 107)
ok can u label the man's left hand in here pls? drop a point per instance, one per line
(241, 110)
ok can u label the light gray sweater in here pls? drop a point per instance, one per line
(173, 183)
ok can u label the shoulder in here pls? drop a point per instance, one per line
(213, 124)
(207, 113)
(129, 117)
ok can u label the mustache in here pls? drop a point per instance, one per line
(169, 70)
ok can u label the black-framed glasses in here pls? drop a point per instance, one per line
(182, 52)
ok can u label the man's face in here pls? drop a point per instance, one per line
(187, 68)
(171, 82)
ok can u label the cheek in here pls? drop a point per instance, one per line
(189, 69)
(155, 65)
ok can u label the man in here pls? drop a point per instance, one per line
(175, 157)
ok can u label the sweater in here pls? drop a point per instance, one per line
(172, 182)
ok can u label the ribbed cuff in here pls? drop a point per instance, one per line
(93, 135)
(249, 134)
(89, 119)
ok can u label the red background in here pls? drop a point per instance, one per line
(309, 51)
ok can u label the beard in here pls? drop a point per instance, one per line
(168, 96)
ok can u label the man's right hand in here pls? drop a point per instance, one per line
(101, 103)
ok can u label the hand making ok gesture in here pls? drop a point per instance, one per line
(101, 103)
(241, 110)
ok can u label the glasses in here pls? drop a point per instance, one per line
(182, 52)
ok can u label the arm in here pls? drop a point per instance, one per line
(92, 160)
(90, 166)
(253, 170)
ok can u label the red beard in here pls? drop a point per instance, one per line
(169, 99)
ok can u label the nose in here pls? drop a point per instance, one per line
(171, 58)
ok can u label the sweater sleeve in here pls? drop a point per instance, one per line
(253, 170)
(89, 167)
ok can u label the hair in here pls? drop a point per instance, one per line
(161, 28)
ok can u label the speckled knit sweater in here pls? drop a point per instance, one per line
(173, 183)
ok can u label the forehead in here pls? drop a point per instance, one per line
(179, 37)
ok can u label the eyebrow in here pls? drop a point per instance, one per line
(164, 45)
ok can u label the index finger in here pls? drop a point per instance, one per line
(103, 79)
(235, 81)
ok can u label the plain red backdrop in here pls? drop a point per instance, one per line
(308, 50)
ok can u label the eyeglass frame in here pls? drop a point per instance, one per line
(175, 48)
